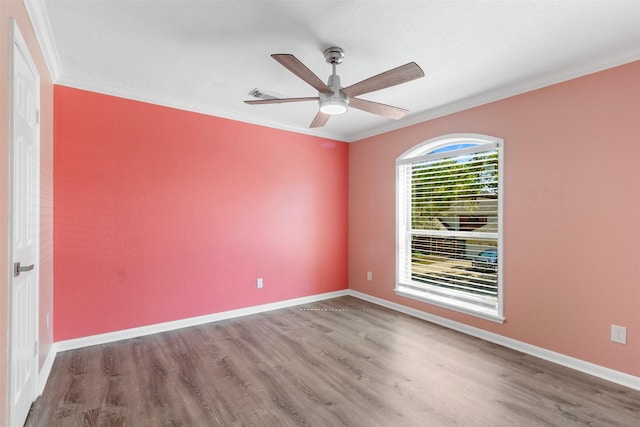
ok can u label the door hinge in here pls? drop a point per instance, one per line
(35, 348)
(37, 116)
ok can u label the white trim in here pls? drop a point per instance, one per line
(558, 358)
(519, 88)
(455, 107)
(422, 150)
(608, 374)
(41, 24)
(479, 148)
(45, 371)
(418, 153)
(447, 302)
(18, 46)
(186, 105)
(40, 21)
(192, 321)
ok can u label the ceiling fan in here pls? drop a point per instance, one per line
(335, 99)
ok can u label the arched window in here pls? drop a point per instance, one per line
(449, 224)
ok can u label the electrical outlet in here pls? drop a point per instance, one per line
(369, 276)
(259, 282)
(619, 334)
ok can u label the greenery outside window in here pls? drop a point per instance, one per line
(449, 224)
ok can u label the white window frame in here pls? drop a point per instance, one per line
(424, 151)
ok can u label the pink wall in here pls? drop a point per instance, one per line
(16, 10)
(162, 214)
(572, 206)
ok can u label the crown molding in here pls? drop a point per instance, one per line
(504, 92)
(39, 18)
(40, 21)
(445, 110)
(186, 105)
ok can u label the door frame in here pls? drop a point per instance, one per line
(18, 46)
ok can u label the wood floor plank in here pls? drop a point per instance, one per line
(341, 362)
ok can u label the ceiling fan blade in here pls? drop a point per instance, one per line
(396, 76)
(294, 65)
(280, 100)
(319, 120)
(378, 108)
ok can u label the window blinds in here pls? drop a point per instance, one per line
(449, 246)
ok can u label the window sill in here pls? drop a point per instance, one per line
(462, 307)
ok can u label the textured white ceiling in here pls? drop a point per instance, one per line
(207, 55)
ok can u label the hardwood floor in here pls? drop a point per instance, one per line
(342, 362)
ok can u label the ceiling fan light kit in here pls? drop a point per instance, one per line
(334, 106)
(333, 98)
(335, 102)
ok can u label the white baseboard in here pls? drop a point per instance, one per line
(192, 321)
(43, 375)
(558, 358)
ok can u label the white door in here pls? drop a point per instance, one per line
(24, 146)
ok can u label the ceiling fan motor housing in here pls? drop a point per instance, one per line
(335, 102)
